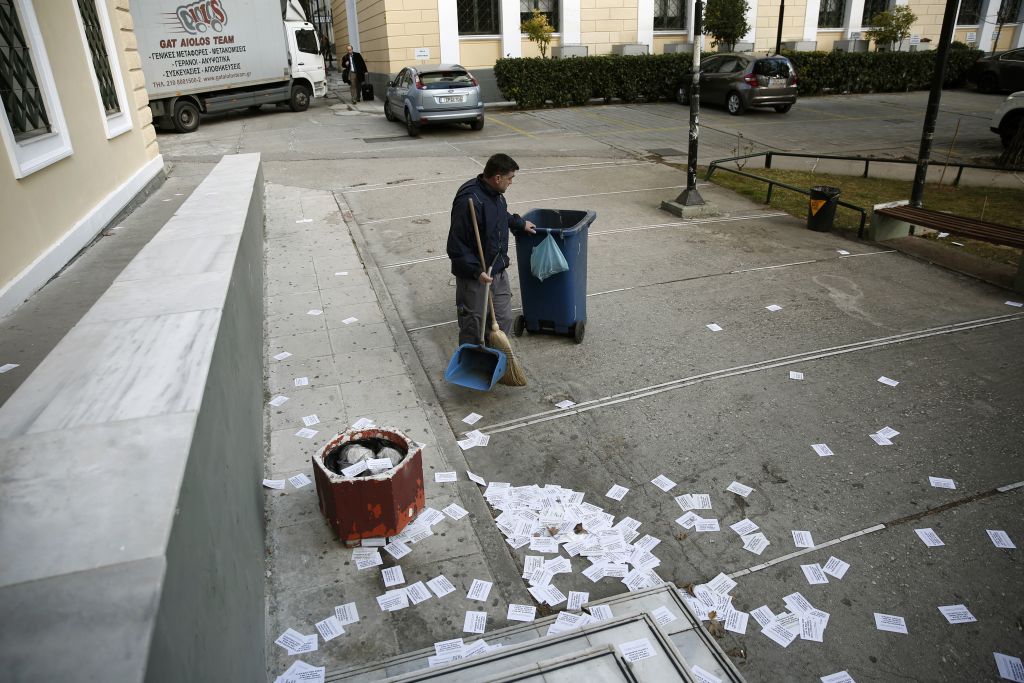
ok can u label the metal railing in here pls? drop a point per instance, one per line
(959, 166)
(715, 166)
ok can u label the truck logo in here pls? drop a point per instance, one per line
(199, 16)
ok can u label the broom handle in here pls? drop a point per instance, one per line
(486, 288)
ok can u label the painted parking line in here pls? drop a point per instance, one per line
(879, 527)
(529, 201)
(613, 231)
(662, 283)
(748, 368)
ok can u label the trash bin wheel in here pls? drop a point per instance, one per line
(519, 325)
(577, 331)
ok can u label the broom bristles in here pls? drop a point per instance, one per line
(514, 375)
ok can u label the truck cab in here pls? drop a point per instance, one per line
(305, 56)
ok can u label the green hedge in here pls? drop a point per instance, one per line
(534, 82)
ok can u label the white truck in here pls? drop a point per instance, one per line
(215, 55)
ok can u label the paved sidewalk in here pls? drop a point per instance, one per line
(355, 370)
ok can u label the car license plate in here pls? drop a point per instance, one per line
(451, 98)
(776, 82)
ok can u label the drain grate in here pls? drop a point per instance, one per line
(668, 152)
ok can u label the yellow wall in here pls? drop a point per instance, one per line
(479, 52)
(663, 39)
(826, 39)
(1005, 39)
(604, 23)
(339, 15)
(768, 23)
(39, 209)
(410, 24)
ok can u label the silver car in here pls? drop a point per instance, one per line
(434, 93)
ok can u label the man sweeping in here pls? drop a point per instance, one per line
(487, 192)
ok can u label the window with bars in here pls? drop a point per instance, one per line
(549, 8)
(873, 8)
(1009, 11)
(478, 17)
(830, 13)
(970, 12)
(19, 86)
(100, 58)
(669, 15)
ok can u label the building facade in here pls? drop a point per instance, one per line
(392, 34)
(76, 132)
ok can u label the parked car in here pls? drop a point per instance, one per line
(999, 72)
(1009, 117)
(740, 81)
(434, 93)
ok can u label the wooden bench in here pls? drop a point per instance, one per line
(890, 221)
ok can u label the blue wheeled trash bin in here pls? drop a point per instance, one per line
(558, 305)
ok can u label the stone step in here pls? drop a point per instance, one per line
(693, 643)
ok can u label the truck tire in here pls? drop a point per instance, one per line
(299, 101)
(186, 116)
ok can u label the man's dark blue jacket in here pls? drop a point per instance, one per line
(495, 222)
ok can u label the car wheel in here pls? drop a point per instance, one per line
(478, 124)
(988, 83)
(299, 101)
(1010, 129)
(734, 103)
(387, 112)
(411, 126)
(682, 95)
(186, 116)
(783, 108)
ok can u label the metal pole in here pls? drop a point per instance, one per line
(690, 196)
(934, 97)
(778, 36)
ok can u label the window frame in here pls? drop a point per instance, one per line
(840, 17)
(977, 20)
(684, 6)
(120, 122)
(554, 13)
(40, 151)
(866, 20)
(481, 34)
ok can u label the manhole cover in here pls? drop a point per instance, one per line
(668, 152)
(391, 139)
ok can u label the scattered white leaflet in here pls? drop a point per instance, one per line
(929, 537)
(736, 621)
(521, 612)
(455, 511)
(793, 374)
(479, 590)
(353, 470)
(330, 628)
(392, 576)
(714, 327)
(635, 650)
(721, 584)
(362, 423)
(616, 492)
(310, 420)
(301, 382)
(755, 543)
(957, 614)
(835, 567)
(1009, 667)
(306, 433)
(314, 311)
(350, 320)
(889, 382)
(773, 307)
(822, 449)
(274, 483)
(280, 356)
(475, 622)
(802, 539)
(1000, 538)
(577, 599)
(739, 489)
(1015, 304)
(441, 586)
(472, 418)
(564, 404)
(890, 622)
(838, 677)
(814, 574)
(663, 483)
(703, 675)
(278, 401)
(601, 612)
(445, 477)
(300, 480)
(940, 483)
(663, 615)
(744, 527)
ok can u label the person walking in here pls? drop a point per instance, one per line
(487, 191)
(353, 72)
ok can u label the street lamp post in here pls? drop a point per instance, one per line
(778, 36)
(934, 97)
(690, 196)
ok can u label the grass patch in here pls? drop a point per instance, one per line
(993, 204)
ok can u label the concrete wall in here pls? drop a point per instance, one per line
(132, 458)
(39, 235)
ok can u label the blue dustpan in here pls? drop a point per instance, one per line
(476, 367)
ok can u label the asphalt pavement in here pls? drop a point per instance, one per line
(656, 391)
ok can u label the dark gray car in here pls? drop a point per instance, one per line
(999, 72)
(434, 93)
(740, 81)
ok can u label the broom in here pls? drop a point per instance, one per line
(514, 375)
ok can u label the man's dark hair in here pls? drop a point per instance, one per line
(500, 164)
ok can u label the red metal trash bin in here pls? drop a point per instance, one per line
(370, 506)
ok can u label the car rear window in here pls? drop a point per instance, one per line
(445, 79)
(772, 68)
